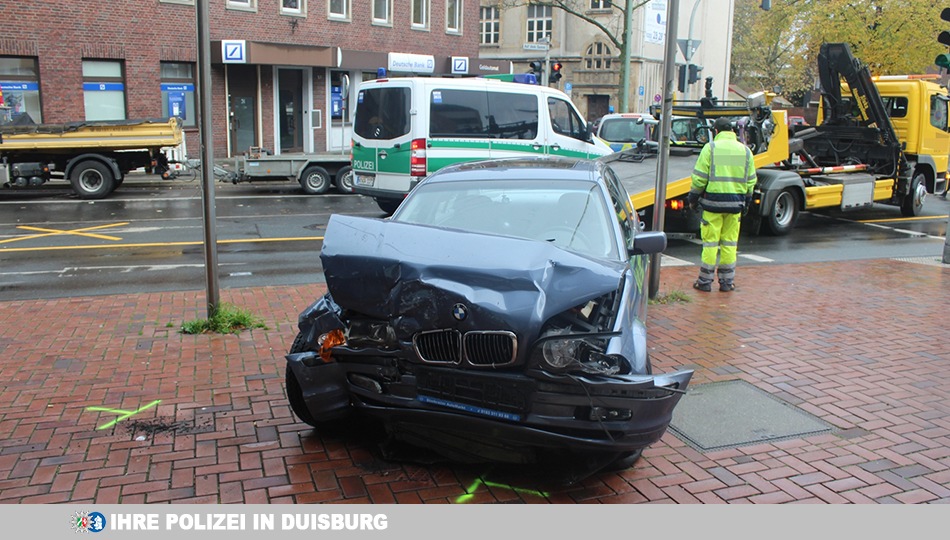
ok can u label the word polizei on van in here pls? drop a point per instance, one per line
(408, 128)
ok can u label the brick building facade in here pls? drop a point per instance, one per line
(276, 88)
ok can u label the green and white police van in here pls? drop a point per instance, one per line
(407, 128)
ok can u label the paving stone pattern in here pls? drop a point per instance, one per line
(865, 346)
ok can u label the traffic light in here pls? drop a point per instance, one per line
(536, 68)
(943, 60)
(555, 75)
(681, 81)
(694, 73)
(709, 93)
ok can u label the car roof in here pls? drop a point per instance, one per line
(528, 168)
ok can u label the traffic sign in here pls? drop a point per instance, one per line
(535, 46)
(640, 91)
(657, 98)
(692, 45)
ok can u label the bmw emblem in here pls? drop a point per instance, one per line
(460, 312)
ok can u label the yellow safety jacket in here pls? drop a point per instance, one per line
(724, 175)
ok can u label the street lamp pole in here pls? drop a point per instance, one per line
(625, 60)
(663, 158)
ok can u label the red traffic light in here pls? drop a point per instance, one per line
(556, 66)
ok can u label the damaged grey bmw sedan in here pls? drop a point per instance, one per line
(497, 316)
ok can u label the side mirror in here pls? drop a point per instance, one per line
(648, 242)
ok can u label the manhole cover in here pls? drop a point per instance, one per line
(734, 413)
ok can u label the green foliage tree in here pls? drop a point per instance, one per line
(780, 47)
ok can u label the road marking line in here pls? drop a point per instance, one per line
(164, 244)
(756, 258)
(667, 260)
(58, 232)
(122, 414)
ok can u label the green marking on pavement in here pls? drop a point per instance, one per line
(122, 414)
(470, 492)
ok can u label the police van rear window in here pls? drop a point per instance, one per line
(382, 113)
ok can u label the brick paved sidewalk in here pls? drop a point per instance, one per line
(864, 346)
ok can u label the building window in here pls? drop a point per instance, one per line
(293, 7)
(598, 56)
(490, 25)
(339, 9)
(600, 4)
(382, 11)
(20, 83)
(420, 13)
(244, 5)
(178, 92)
(539, 22)
(103, 89)
(453, 16)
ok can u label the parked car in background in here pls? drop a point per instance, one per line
(622, 131)
(497, 316)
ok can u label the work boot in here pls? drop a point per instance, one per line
(726, 286)
(701, 285)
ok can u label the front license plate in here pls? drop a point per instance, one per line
(365, 180)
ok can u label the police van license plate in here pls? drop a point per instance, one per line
(365, 179)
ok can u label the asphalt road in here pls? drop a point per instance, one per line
(148, 236)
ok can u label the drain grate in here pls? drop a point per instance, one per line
(735, 413)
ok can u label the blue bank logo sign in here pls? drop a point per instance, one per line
(233, 51)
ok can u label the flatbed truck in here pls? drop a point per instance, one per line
(93, 157)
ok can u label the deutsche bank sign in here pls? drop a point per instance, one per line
(412, 63)
(233, 51)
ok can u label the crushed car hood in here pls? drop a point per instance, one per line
(416, 276)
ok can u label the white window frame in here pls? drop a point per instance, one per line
(600, 5)
(457, 28)
(546, 20)
(347, 11)
(299, 11)
(242, 5)
(426, 7)
(89, 77)
(489, 27)
(387, 18)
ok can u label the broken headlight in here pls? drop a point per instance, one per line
(368, 334)
(578, 353)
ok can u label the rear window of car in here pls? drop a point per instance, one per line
(623, 130)
(382, 113)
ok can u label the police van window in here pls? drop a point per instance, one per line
(458, 113)
(513, 116)
(938, 111)
(382, 113)
(565, 121)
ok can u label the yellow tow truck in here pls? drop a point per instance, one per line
(93, 156)
(879, 140)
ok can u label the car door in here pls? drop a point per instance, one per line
(568, 136)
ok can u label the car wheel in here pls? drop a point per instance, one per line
(624, 461)
(344, 180)
(388, 205)
(783, 214)
(315, 180)
(913, 203)
(92, 180)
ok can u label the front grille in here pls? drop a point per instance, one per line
(496, 348)
(438, 346)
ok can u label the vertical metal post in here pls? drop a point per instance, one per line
(624, 105)
(207, 155)
(662, 164)
(946, 244)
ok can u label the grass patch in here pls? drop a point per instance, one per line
(671, 297)
(228, 319)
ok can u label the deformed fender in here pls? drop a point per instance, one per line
(319, 318)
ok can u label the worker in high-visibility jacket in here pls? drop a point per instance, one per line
(722, 184)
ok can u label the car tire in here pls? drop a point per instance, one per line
(315, 180)
(913, 203)
(783, 214)
(92, 179)
(388, 205)
(344, 180)
(624, 461)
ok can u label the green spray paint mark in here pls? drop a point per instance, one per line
(122, 414)
(470, 492)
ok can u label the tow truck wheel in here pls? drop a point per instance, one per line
(782, 216)
(913, 203)
(92, 180)
(344, 180)
(315, 180)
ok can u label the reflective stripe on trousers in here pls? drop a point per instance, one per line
(720, 234)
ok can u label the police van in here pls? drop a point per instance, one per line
(407, 128)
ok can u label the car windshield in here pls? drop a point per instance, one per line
(571, 215)
(623, 130)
